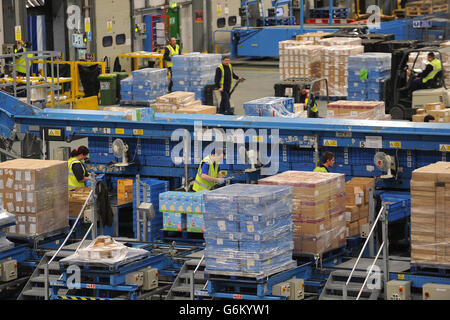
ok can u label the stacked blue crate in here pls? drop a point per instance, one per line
(377, 66)
(126, 89)
(248, 228)
(149, 84)
(270, 107)
(193, 72)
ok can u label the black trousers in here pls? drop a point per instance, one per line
(417, 85)
(171, 81)
(225, 106)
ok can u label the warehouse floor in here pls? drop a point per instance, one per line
(260, 83)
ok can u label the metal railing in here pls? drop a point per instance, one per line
(65, 241)
(384, 247)
(192, 278)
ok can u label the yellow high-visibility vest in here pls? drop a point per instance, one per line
(173, 52)
(201, 184)
(222, 80)
(73, 181)
(314, 107)
(437, 66)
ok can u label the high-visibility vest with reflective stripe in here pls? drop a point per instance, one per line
(201, 184)
(173, 52)
(21, 64)
(314, 107)
(222, 80)
(321, 169)
(437, 66)
(73, 181)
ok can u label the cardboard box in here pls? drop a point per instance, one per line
(434, 106)
(314, 227)
(125, 190)
(39, 189)
(362, 222)
(351, 213)
(198, 109)
(77, 198)
(354, 195)
(353, 229)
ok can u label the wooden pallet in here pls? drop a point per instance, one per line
(441, 8)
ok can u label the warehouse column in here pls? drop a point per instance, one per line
(20, 13)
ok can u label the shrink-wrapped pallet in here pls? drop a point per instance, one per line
(248, 229)
(318, 209)
(36, 191)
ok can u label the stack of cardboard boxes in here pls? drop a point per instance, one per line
(357, 204)
(77, 199)
(300, 61)
(319, 209)
(183, 211)
(364, 110)
(36, 191)
(335, 67)
(430, 221)
(438, 110)
(338, 41)
(313, 36)
(174, 101)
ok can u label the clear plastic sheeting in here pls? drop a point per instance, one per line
(106, 251)
(144, 85)
(270, 107)
(6, 219)
(430, 223)
(362, 110)
(340, 41)
(318, 209)
(248, 228)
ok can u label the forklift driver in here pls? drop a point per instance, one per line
(433, 68)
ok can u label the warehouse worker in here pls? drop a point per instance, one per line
(208, 172)
(172, 49)
(328, 160)
(224, 82)
(433, 68)
(78, 174)
(310, 103)
(21, 64)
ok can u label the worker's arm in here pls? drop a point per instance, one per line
(235, 77)
(205, 168)
(426, 72)
(79, 173)
(167, 55)
(218, 77)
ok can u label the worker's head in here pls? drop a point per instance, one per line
(429, 118)
(226, 60)
(218, 155)
(431, 56)
(81, 153)
(328, 159)
(173, 41)
(303, 91)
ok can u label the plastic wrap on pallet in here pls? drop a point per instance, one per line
(270, 107)
(301, 61)
(334, 67)
(318, 209)
(248, 228)
(429, 223)
(104, 251)
(36, 192)
(133, 114)
(126, 84)
(340, 41)
(365, 110)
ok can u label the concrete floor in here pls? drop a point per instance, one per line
(260, 83)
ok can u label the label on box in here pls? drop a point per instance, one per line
(370, 168)
(219, 242)
(358, 199)
(21, 229)
(27, 176)
(12, 229)
(250, 228)
(250, 263)
(19, 196)
(18, 175)
(9, 183)
(30, 197)
(322, 227)
(32, 228)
